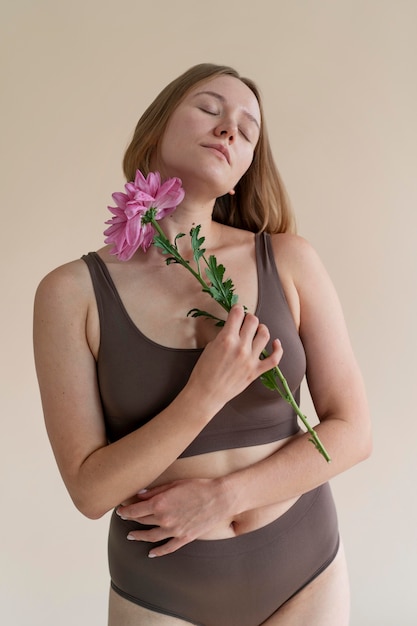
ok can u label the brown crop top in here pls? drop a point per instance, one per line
(138, 378)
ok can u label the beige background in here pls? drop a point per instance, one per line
(339, 82)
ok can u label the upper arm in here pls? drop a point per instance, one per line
(333, 375)
(66, 368)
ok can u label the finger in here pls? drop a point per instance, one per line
(152, 535)
(261, 339)
(273, 358)
(169, 547)
(147, 520)
(249, 327)
(136, 510)
(277, 350)
(235, 318)
(147, 494)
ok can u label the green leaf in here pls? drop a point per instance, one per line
(221, 291)
(200, 313)
(178, 237)
(163, 244)
(196, 243)
(268, 381)
(168, 248)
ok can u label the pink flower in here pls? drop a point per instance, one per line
(128, 231)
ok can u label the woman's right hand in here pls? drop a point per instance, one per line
(232, 361)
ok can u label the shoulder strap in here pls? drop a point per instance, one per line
(269, 281)
(107, 297)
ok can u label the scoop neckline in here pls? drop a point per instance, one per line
(136, 327)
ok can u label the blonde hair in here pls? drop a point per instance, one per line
(260, 202)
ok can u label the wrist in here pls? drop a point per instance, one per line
(205, 403)
(231, 494)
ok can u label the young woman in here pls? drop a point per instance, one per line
(162, 417)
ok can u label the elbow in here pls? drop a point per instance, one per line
(88, 494)
(89, 509)
(87, 503)
(367, 448)
(364, 444)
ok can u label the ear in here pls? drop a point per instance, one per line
(231, 192)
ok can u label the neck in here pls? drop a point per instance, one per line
(188, 215)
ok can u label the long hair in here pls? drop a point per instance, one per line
(260, 202)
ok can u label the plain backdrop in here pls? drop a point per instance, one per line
(339, 83)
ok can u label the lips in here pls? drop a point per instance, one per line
(220, 148)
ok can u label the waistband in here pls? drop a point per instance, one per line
(255, 539)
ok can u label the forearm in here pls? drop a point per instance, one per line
(297, 467)
(113, 473)
(185, 510)
(99, 476)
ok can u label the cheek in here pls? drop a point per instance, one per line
(246, 161)
(166, 150)
(176, 138)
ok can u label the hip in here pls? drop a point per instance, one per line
(274, 561)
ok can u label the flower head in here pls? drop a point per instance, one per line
(128, 231)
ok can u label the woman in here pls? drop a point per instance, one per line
(165, 414)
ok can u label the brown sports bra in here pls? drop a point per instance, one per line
(138, 378)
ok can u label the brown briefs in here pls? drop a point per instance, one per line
(239, 581)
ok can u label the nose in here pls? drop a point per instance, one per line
(226, 129)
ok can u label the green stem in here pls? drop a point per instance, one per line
(288, 397)
(178, 258)
(223, 304)
(271, 375)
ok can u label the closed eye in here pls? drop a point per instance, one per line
(244, 134)
(209, 111)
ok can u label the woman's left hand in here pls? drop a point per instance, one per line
(181, 511)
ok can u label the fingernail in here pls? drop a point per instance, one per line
(130, 537)
(120, 515)
(152, 556)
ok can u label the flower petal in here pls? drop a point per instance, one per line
(153, 183)
(133, 231)
(170, 194)
(120, 199)
(148, 233)
(140, 180)
(125, 231)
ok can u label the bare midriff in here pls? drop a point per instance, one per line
(221, 463)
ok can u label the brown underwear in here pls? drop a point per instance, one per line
(240, 581)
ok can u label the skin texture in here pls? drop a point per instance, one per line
(224, 493)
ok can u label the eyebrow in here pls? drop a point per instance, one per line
(223, 99)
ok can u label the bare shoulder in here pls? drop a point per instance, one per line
(298, 266)
(65, 282)
(299, 262)
(293, 252)
(64, 295)
(64, 316)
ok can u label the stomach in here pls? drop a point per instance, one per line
(223, 462)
